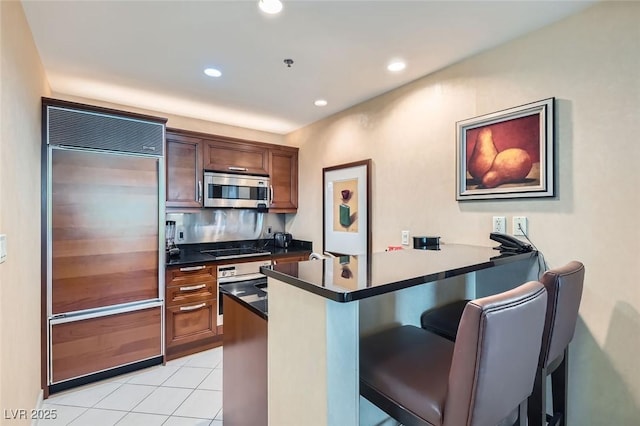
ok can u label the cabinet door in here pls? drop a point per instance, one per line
(284, 180)
(104, 230)
(191, 322)
(236, 157)
(88, 346)
(184, 171)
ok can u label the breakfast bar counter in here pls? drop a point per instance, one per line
(319, 310)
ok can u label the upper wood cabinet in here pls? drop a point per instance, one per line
(284, 179)
(188, 154)
(184, 171)
(236, 157)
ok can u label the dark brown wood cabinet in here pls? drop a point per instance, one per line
(244, 375)
(290, 258)
(188, 154)
(184, 170)
(191, 312)
(289, 262)
(284, 179)
(236, 157)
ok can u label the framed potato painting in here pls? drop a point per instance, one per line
(346, 208)
(507, 154)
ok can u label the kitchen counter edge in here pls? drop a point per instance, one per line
(353, 295)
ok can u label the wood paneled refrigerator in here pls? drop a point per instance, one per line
(103, 243)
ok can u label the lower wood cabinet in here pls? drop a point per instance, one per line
(244, 374)
(191, 322)
(289, 258)
(289, 263)
(191, 311)
(87, 346)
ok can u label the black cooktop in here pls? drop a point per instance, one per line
(230, 253)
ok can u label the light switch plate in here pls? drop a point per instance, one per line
(3, 248)
(405, 238)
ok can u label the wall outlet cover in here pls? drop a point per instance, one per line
(520, 226)
(3, 247)
(499, 224)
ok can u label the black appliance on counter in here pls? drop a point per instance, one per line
(282, 239)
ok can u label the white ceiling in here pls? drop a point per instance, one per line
(151, 54)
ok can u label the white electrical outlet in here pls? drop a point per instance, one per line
(520, 225)
(500, 224)
(3, 248)
(405, 238)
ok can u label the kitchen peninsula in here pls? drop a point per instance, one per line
(318, 312)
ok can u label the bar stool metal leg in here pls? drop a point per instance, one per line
(559, 379)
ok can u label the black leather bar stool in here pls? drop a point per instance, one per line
(564, 287)
(483, 379)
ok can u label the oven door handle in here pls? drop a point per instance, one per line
(238, 278)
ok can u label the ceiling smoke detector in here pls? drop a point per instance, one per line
(288, 62)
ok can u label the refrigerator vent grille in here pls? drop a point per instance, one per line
(85, 129)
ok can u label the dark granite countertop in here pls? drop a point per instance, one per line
(348, 278)
(190, 253)
(252, 295)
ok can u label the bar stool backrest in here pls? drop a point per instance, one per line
(564, 289)
(495, 356)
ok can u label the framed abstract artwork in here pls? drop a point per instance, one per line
(507, 154)
(347, 208)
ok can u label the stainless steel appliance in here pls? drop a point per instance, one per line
(239, 191)
(103, 180)
(282, 239)
(238, 278)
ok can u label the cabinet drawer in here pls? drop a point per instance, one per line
(197, 274)
(191, 322)
(191, 293)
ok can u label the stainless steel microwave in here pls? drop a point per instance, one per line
(238, 191)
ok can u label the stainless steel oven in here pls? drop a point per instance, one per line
(237, 278)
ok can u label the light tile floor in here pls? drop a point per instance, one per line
(185, 392)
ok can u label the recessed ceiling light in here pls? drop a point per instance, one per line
(320, 102)
(396, 66)
(212, 72)
(270, 6)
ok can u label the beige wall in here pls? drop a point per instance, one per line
(22, 83)
(591, 64)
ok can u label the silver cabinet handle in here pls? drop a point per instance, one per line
(271, 191)
(199, 191)
(237, 169)
(192, 308)
(192, 268)
(193, 287)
